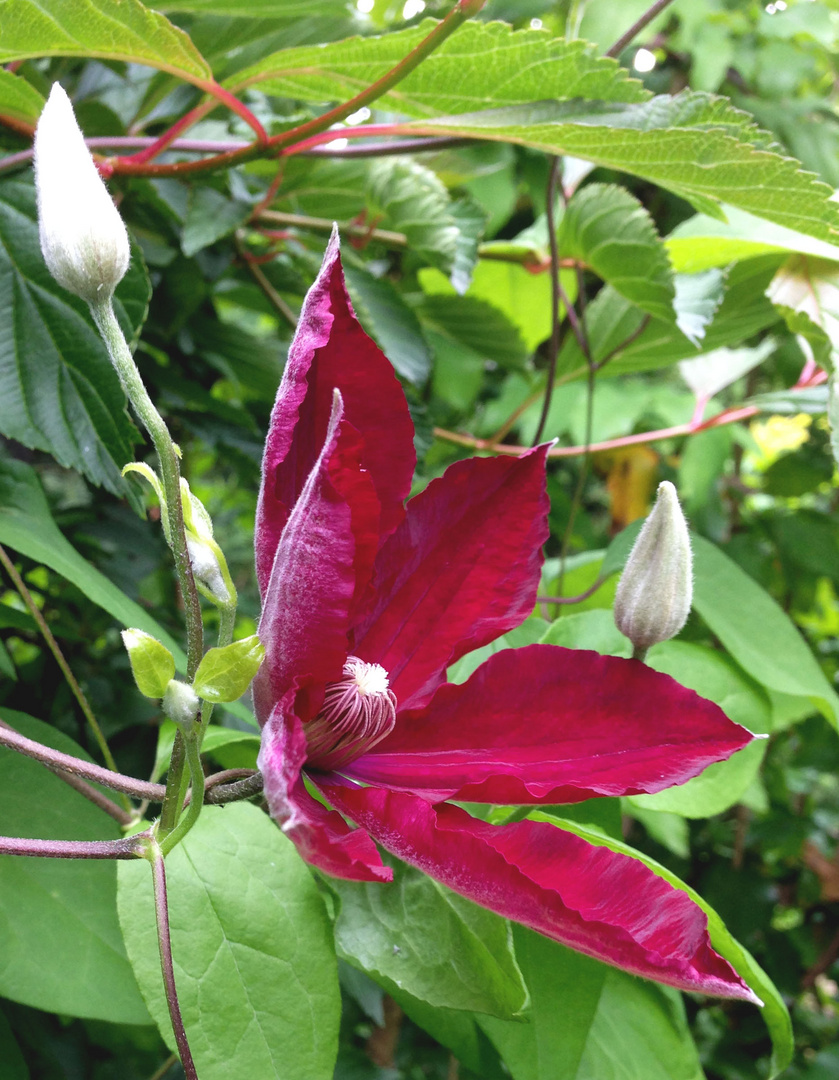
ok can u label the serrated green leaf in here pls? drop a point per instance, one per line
(471, 219)
(419, 936)
(696, 302)
(252, 946)
(225, 673)
(774, 1011)
(695, 145)
(108, 29)
(610, 231)
(706, 375)
(61, 944)
(406, 196)
(152, 665)
(613, 326)
(393, 325)
(59, 390)
(18, 99)
(483, 64)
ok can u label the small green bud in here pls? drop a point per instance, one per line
(151, 662)
(83, 238)
(207, 570)
(224, 674)
(180, 703)
(656, 588)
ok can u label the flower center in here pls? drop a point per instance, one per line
(358, 711)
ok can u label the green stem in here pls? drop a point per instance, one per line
(129, 377)
(196, 775)
(639, 653)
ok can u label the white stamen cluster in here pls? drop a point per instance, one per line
(358, 711)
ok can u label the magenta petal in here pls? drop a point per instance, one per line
(590, 898)
(330, 350)
(461, 569)
(551, 725)
(321, 836)
(305, 609)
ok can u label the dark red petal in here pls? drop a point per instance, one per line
(331, 350)
(551, 725)
(461, 569)
(590, 898)
(306, 606)
(321, 836)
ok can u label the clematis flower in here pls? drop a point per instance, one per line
(367, 601)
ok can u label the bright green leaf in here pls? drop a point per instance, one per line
(108, 29)
(477, 324)
(152, 665)
(225, 673)
(61, 946)
(483, 64)
(449, 951)
(254, 961)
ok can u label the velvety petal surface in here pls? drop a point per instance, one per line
(552, 725)
(321, 835)
(462, 568)
(306, 606)
(330, 350)
(590, 898)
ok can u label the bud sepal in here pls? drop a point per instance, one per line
(152, 665)
(225, 673)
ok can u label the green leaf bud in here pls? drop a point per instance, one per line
(151, 662)
(83, 238)
(180, 703)
(655, 591)
(225, 673)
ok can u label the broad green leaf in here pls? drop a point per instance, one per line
(696, 301)
(14, 1065)
(108, 29)
(528, 633)
(61, 946)
(482, 65)
(284, 10)
(703, 242)
(594, 629)
(695, 145)
(589, 1022)
(774, 1011)
(456, 1030)
(26, 525)
(210, 216)
(713, 676)
(477, 324)
(789, 402)
(225, 673)
(393, 325)
(610, 231)
(471, 220)
(59, 390)
(448, 951)
(524, 297)
(254, 962)
(18, 99)
(152, 665)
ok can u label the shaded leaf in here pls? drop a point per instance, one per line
(18, 99)
(478, 325)
(210, 216)
(393, 325)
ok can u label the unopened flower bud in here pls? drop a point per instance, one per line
(656, 588)
(180, 703)
(207, 571)
(83, 238)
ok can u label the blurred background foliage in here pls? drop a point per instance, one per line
(229, 259)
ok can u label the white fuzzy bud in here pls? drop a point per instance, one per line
(180, 703)
(207, 570)
(83, 238)
(655, 591)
